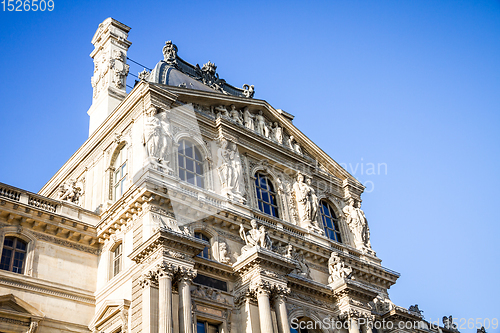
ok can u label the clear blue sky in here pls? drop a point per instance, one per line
(412, 84)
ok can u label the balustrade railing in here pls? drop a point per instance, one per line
(9, 193)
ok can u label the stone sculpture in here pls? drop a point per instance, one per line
(260, 123)
(170, 53)
(449, 324)
(356, 221)
(70, 191)
(255, 237)
(248, 90)
(224, 253)
(157, 135)
(248, 117)
(277, 133)
(307, 203)
(235, 115)
(337, 268)
(230, 169)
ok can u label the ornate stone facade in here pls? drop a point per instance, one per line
(191, 205)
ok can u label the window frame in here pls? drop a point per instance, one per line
(182, 164)
(116, 259)
(271, 192)
(334, 221)
(14, 250)
(119, 177)
(29, 239)
(207, 324)
(208, 247)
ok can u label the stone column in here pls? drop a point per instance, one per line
(185, 316)
(165, 273)
(149, 284)
(280, 309)
(266, 322)
(354, 326)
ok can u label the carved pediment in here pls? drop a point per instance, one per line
(10, 304)
(111, 313)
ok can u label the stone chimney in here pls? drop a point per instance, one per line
(110, 70)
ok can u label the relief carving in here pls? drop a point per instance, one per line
(255, 237)
(70, 191)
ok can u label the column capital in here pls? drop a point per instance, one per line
(148, 279)
(165, 270)
(187, 274)
(262, 288)
(281, 291)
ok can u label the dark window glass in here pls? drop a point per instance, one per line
(205, 327)
(190, 164)
(330, 222)
(266, 196)
(206, 251)
(210, 282)
(13, 255)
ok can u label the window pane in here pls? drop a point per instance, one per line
(181, 148)
(21, 245)
(6, 257)
(265, 196)
(18, 262)
(199, 181)
(199, 168)
(200, 327)
(197, 155)
(9, 241)
(267, 209)
(189, 150)
(181, 161)
(190, 177)
(189, 165)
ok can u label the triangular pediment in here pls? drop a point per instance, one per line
(108, 310)
(15, 306)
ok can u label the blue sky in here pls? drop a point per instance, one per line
(414, 85)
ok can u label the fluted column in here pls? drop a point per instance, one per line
(263, 291)
(149, 284)
(280, 309)
(185, 316)
(165, 273)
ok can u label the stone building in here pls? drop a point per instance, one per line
(192, 207)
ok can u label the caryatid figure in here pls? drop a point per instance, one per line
(356, 221)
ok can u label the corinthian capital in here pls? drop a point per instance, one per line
(148, 279)
(165, 270)
(281, 291)
(187, 274)
(261, 288)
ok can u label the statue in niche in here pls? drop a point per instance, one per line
(337, 268)
(230, 169)
(157, 135)
(248, 117)
(356, 221)
(277, 133)
(260, 123)
(224, 253)
(307, 203)
(255, 237)
(70, 191)
(235, 115)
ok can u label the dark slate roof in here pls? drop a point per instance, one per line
(174, 71)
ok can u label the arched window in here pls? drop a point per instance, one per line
(120, 174)
(190, 164)
(116, 259)
(266, 196)
(13, 254)
(206, 251)
(330, 222)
